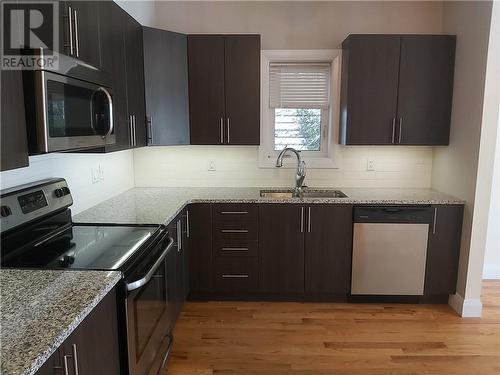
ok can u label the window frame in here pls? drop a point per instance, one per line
(329, 155)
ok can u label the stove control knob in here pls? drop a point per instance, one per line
(59, 193)
(5, 211)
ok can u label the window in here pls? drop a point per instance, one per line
(299, 95)
(297, 104)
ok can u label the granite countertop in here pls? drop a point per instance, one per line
(162, 205)
(40, 309)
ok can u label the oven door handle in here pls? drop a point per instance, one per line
(143, 281)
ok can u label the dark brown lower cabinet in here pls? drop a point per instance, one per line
(306, 249)
(92, 348)
(443, 250)
(200, 248)
(281, 230)
(328, 244)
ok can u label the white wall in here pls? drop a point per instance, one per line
(290, 25)
(300, 24)
(142, 11)
(489, 159)
(77, 170)
(238, 166)
(455, 167)
(491, 269)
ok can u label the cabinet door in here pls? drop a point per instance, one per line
(113, 63)
(14, 141)
(443, 250)
(84, 34)
(281, 240)
(200, 248)
(94, 343)
(328, 245)
(166, 86)
(425, 89)
(242, 89)
(53, 365)
(370, 69)
(206, 89)
(134, 64)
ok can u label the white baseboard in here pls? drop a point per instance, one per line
(491, 271)
(469, 308)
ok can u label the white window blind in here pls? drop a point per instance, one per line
(296, 85)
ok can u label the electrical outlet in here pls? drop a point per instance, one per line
(100, 171)
(370, 165)
(97, 174)
(211, 166)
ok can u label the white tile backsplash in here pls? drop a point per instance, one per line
(117, 167)
(238, 166)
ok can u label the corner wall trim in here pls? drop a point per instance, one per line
(466, 308)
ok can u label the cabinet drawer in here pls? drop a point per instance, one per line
(235, 232)
(235, 212)
(236, 274)
(236, 248)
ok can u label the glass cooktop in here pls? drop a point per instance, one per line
(83, 247)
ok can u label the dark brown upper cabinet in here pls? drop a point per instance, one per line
(396, 89)
(79, 30)
(134, 65)
(112, 19)
(13, 138)
(14, 141)
(224, 89)
(166, 87)
(121, 58)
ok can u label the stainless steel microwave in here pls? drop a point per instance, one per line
(67, 113)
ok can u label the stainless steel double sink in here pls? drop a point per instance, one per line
(306, 193)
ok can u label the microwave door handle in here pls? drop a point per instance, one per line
(110, 102)
(143, 281)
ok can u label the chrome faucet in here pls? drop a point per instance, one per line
(301, 169)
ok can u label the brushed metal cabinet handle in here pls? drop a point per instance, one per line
(150, 129)
(66, 365)
(228, 127)
(234, 230)
(302, 219)
(221, 130)
(135, 130)
(234, 249)
(77, 39)
(309, 220)
(435, 220)
(179, 236)
(131, 124)
(188, 229)
(394, 130)
(400, 129)
(234, 212)
(75, 359)
(70, 24)
(235, 276)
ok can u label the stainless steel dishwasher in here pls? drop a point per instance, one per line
(389, 250)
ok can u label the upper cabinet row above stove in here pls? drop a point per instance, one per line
(396, 89)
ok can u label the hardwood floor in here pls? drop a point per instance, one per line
(313, 338)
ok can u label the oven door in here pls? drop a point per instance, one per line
(71, 113)
(148, 314)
